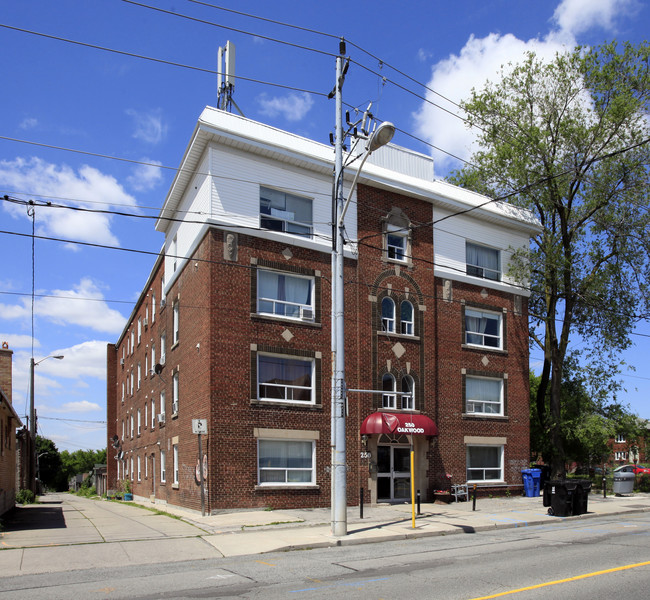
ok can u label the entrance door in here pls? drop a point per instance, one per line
(393, 472)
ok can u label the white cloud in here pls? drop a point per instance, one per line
(146, 177)
(16, 340)
(481, 59)
(292, 107)
(424, 55)
(83, 305)
(149, 126)
(28, 123)
(83, 406)
(577, 16)
(37, 177)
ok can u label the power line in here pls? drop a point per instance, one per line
(159, 60)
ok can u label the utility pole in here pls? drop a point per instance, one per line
(339, 524)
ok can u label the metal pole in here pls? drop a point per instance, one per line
(340, 463)
(201, 477)
(412, 485)
(32, 429)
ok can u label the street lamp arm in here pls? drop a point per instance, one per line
(380, 137)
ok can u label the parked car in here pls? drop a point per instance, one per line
(636, 469)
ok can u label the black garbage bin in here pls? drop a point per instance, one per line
(581, 496)
(559, 496)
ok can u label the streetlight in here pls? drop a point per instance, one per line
(381, 136)
(32, 419)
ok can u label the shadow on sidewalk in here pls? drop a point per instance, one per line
(34, 516)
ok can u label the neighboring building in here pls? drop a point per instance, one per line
(236, 314)
(625, 451)
(9, 422)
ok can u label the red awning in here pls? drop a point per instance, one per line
(396, 424)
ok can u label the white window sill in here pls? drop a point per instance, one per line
(485, 416)
(281, 404)
(285, 486)
(483, 348)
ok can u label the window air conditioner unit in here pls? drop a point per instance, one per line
(122, 361)
(161, 418)
(145, 322)
(306, 313)
(174, 407)
(163, 302)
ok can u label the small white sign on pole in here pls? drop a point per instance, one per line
(199, 426)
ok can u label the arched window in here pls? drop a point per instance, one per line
(388, 315)
(408, 387)
(406, 318)
(388, 387)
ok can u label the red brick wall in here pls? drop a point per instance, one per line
(215, 363)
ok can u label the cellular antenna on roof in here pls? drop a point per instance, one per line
(226, 78)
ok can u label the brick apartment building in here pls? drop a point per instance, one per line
(9, 422)
(236, 314)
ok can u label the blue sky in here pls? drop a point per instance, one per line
(85, 127)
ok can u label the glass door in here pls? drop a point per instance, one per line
(393, 473)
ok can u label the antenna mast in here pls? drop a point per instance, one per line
(226, 78)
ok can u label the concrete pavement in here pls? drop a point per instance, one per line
(66, 532)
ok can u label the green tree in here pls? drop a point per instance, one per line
(568, 140)
(81, 461)
(48, 463)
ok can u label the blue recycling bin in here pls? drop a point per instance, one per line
(531, 479)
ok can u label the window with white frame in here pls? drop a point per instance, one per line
(173, 251)
(123, 390)
(163, 474)
(175, 454)
(483, 395)
(285, 295)
(482, 262)
(175, 392)
(153, 308)
(284, 212)
(139, 331)
(175, 323)
(139, 469)
(123, 430)
(285, 378)
(146, 366)
(146, 466)
(132, 473)
(484, 463)
(388, 315)
(132, 342)
(162, 402)
(286, 462)
(132, 382)
(389, 397)
(620, 455)
(153, 413)
(406, 318)
(163, 297)
(139, 375)
(619, 439)
(132, 425)
(153, 359)
(139, 422)
(396, 243)
(483, 328)
(408, 387)
(163, 348)
(146, 414)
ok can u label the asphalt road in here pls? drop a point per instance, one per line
(605, 557)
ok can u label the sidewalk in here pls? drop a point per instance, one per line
(66, 532)
(236, 533)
